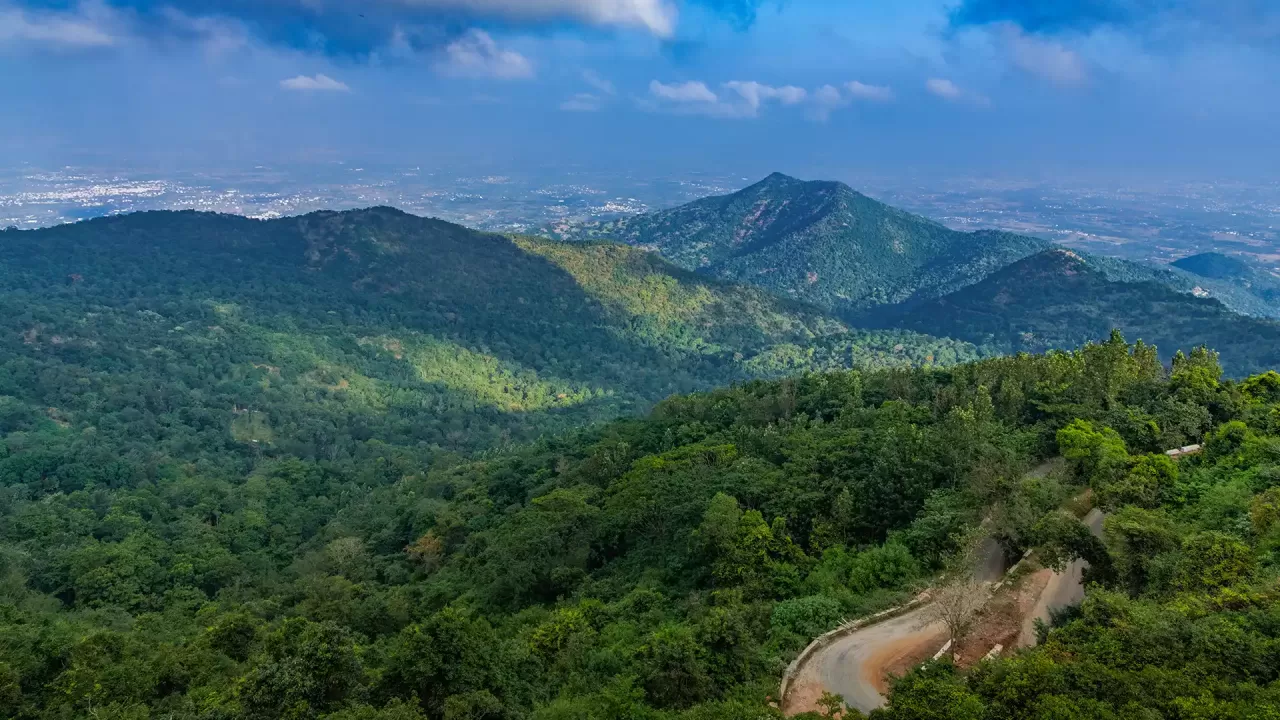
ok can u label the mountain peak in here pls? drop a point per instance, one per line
(780, 184)
(777, 179)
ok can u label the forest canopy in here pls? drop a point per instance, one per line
(662, 567)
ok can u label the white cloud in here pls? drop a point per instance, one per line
(685, 93)
(874, 93)
(1049, 59)
(476, 54)
(311, 83)
(755, 94)
(218, 36)
(90, 25)
(741, 98)
(655, 16)
(826, 100)
(582, 102)
(951, 92)
(601, 84)
(944, 89)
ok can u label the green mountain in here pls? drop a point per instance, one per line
(1234, 271)
(820, 242)
(313, 335)
(1215, 265)
(1235, 294)
(1060, 299)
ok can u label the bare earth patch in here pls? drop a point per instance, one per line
(1000, 624)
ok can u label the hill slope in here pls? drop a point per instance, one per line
(820, 242)
(309, 335)
(1233, 271)
(1062, 299)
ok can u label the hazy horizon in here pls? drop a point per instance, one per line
(815, 88)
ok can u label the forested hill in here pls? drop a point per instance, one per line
(1249, 277)
(817, 241)
(198, 334)
(1060, 299)
(664, 568)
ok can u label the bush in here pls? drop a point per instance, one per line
(807, 616)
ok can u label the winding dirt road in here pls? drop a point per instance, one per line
(854, 666)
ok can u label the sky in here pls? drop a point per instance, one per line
(1146, 88)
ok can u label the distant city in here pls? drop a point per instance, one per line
(1160, 222)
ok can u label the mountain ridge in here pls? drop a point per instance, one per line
(818, 241)
(1062, 298)
(381, 323)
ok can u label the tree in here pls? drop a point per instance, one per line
(933, 691)
(1150, 480)
(674, 671)
(834, 707)
(1211, 560)
(1097, 456)
(305, 669)
(955, 604)
(1137, 537)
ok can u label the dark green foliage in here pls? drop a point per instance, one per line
(155, 561)
(211, 335)
(1255, 280)
(305, 669)
(817, 241)
(1060, 299)
(651, 566)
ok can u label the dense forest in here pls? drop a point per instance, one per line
(661, 567)
(1060, 298)
(331, 467)
(1183, 617)
(200, 337)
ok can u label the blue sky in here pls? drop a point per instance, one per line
(1024, 87)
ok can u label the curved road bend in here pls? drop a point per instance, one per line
(1063, 590)
(851, 666)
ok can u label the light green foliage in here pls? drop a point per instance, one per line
(807, 617)
(1151, 479)
(1210, 560)
(1098, 456)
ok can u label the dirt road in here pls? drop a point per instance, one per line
(1064, 588)
(854, 665)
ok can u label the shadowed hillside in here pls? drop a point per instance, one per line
(311, 335)
(1060, 299)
